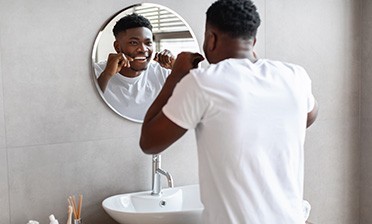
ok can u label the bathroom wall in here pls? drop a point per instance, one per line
(57, 137)
(366, 115)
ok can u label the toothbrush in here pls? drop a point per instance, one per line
(69, 220)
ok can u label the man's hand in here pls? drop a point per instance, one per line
(165, 58)
(185, 62)
(115, 62)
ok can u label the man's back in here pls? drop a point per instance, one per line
(250, 122)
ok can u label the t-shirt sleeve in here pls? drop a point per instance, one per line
(308, 89)
(187, 104)
(310, 102)
(99, 67)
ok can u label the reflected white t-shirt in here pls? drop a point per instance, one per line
(131, 97)
(250, 123)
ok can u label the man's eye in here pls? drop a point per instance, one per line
(149, 43)
(133, 43)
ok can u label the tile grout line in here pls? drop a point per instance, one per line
(360, 114)
(63, 143)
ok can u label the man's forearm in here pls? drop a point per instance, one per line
(103, 80)
(158, 132)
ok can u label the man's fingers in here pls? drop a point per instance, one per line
(197, 59)
(128, 58)
(164, 57)
(125, 60)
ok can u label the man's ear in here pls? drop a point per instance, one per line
(211, 41)
(117, 46)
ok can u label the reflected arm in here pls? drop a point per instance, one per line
(103, 80)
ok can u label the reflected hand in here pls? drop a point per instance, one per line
(165, 58)
(185, 62)
(115, 62)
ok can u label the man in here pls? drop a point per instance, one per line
(129, 80)
(250, 117)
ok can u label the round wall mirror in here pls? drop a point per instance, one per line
(133, 96)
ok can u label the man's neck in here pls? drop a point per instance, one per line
(130, 73)
(240, 48)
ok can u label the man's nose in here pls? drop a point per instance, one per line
(142, 48)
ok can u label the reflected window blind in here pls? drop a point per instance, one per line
(162, 20)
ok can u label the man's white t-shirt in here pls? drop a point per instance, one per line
(131, 97)
(250, 123)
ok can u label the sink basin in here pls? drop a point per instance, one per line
(179, 205)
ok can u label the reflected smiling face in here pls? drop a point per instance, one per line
(136, 43)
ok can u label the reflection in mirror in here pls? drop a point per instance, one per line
(125, 72)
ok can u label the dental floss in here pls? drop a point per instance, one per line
(53, 220)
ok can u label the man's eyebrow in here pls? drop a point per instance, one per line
(137, 38)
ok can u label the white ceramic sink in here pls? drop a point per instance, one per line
(179, 205)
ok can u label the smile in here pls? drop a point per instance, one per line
(140, 59)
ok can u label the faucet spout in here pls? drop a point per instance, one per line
(167, 175)
(156, 172)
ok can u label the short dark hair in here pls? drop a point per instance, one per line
(131, 21)
(239, 18)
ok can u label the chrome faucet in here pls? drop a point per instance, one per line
(156, 171)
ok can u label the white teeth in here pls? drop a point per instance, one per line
(140, 58)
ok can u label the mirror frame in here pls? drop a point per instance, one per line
(98, 38)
